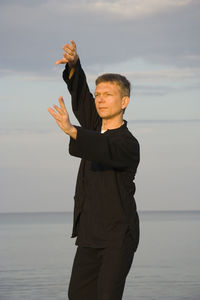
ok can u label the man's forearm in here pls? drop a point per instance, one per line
(71, 72)
(72, 66)
(116, 151)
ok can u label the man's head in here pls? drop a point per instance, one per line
(111, 95)
(120, 80)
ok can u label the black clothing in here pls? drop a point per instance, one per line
(105, 209)
(100, 273)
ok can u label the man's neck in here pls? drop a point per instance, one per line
(111, 123)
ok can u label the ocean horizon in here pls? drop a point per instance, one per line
(37, 253)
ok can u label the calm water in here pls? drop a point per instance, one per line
(36, 255)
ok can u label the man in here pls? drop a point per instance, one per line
(106, 223)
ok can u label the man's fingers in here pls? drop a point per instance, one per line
(53, 113)
(69, 56)
(59, 110)
(73, 44)
(62, 104)
(61, 116)
(58, 62)
(68, 46)
(68, 49)
(64, 60)
(71, 50)
(66, 56)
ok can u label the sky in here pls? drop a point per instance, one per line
(154, 43)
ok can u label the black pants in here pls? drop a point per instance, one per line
(100, 273)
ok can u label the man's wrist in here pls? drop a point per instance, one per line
(72, 64)
(72, 132)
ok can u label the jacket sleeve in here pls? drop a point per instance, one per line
(83, 104)
(118, 152)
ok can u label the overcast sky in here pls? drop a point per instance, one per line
(154, 43)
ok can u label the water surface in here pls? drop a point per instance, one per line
(36, 256)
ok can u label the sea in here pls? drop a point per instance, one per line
(37, 252)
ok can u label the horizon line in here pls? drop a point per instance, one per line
(71, 211)
(163, 120)
(44, 130)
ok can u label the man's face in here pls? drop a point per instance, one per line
(108, 100)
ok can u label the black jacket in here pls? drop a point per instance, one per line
(105, 208)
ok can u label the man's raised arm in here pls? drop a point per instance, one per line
(82, 100)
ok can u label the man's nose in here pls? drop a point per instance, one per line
(101, 98)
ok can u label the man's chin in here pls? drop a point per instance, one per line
(102, 114)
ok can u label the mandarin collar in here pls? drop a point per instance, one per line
(115, 129)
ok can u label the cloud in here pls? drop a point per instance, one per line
(156, 90)
(170, 74)
(146, 90)
(131, 9)
(163, 32)
(157, 82)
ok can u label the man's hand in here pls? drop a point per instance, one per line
(62, 118)
(70, 55)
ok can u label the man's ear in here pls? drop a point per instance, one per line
(125, 102)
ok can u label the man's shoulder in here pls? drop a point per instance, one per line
(124, 136)
(131, 135)
(128, 134)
